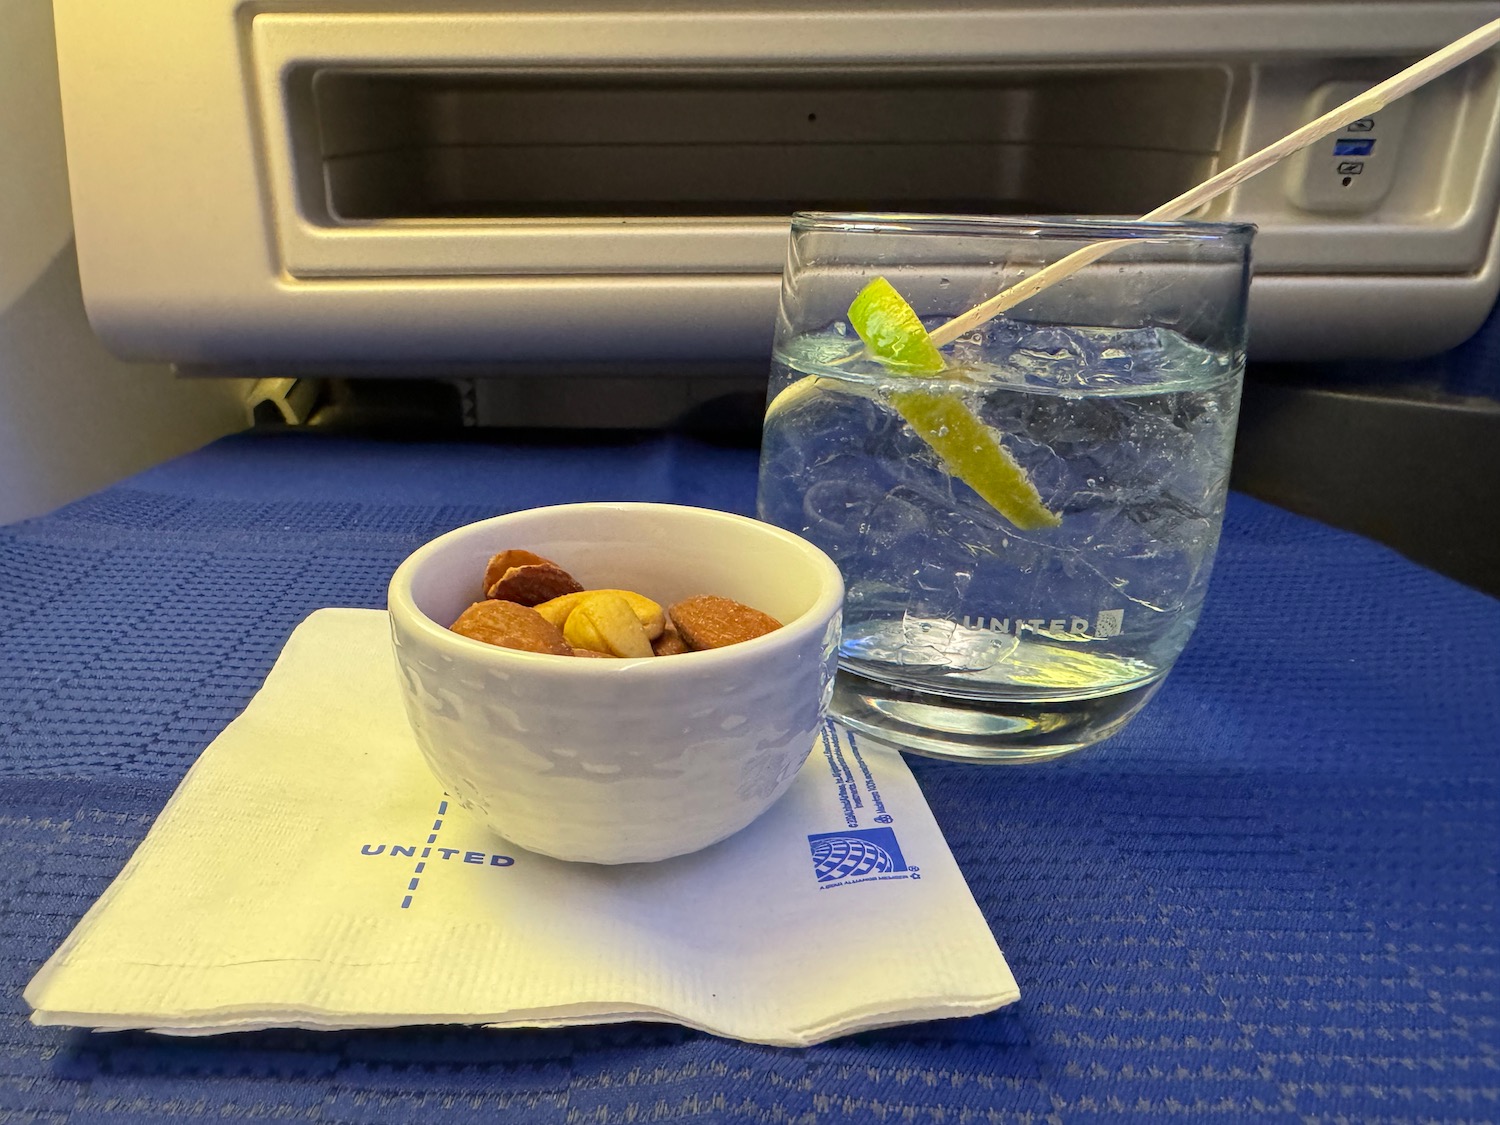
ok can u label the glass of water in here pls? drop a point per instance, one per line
(1109, 399)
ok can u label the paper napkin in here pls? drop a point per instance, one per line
(310, 872)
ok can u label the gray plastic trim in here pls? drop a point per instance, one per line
(197, 245)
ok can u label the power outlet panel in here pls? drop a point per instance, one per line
(1351, 171)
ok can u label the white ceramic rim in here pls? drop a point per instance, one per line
(400, 603)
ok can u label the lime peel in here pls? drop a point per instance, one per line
(969, 449)
(809, 387)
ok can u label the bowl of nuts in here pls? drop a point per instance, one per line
(616, 683)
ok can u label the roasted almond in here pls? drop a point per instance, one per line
(509, 625)
(604, 621)
(497, 566)
(533, 584)
(591, 652)
(651, 617)
(670, 643)
(709, 621)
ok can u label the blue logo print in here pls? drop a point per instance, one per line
(855, 852)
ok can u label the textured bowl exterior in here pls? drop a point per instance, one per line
(618, 761)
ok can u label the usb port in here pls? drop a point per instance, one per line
(1353, 148)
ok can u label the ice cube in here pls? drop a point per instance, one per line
(894, 519)
(1125, 356)
(1052, 356)
(1180, 359)
(836, 507)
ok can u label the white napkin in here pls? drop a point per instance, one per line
(309, 872)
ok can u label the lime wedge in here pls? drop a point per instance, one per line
(971, 452)
(969, 449)
(892, 330)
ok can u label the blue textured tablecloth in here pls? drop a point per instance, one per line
(1273, 897)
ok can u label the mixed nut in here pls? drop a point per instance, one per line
(531, 603)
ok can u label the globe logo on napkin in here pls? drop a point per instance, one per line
(854, 853)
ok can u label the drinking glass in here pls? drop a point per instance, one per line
(974, 629)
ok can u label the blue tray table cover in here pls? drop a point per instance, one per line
(1273, 897)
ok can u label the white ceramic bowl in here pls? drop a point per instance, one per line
(620, 761)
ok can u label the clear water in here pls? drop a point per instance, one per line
(1127, 435)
